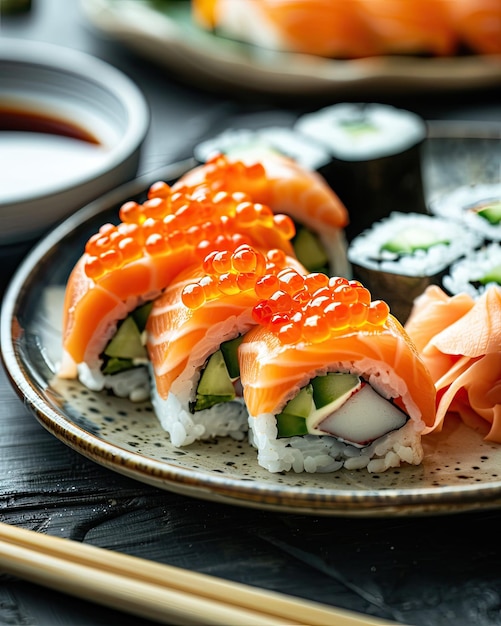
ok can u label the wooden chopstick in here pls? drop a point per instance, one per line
(163, 593)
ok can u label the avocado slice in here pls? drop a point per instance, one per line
(229, 350)
(310, 250)
(332, 387)
(491, 212)
(215, 385)
(409, 240)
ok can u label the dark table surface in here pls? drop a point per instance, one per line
(437, 570)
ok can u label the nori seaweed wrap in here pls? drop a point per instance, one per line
(375, 159)
(404, 253)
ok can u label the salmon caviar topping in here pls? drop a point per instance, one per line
(198, 222)
(243, 268)
(318, 309)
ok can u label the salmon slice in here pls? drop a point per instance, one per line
(477, 24)
(462, 350)
(276, 181)
(411, 27)
(203, 307)
(134, 261)
(336, 328)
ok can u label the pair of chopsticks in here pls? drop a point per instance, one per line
(162, 593)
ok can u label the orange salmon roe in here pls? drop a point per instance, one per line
(243, 268)
(199, 220)
(318, 309)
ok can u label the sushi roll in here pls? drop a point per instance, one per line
(331, 380)
(193, 333)
(475, 273)
(328, 28)
(128, 265)
(288, 188)
(376, 159)
(401, 255)
(478, 207)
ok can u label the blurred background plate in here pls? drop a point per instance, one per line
(163, 32)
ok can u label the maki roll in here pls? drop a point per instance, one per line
(476, 272)
(401, 255)
(331, 380)
(193, 333)
(253, 145)
(376, 153)
(478, 207)
(287, 188)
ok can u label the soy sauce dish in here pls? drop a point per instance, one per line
(71, 128)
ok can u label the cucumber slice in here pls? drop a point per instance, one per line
(292, 420)
(291, 425)
(215, 385)
(302, 404)
(332, 387)
(310, 250)
(115, 365)
(409, 240)
(206, 402)
(141, 314)
(229, 350)
(491, 213)
(492, 276)
(126, 344)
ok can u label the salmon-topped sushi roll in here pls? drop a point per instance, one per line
(280, 182)
(331, 379)
(128, 265)
(193, 333)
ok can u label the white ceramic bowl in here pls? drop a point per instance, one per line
(42, 183)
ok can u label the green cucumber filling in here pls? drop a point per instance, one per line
(219, 376)
(492, 276)
(490, 212)
(340, 405)
(408, 240)
(309, 250)
(126, 348)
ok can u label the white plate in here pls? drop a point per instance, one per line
(168, 37)
(461, 472)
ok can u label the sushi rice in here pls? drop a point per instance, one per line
(459, 206)
(227, 419)
(366, 248)
(325, 454)
(465, 274)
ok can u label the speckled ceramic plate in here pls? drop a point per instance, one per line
(460, 472)
(164, 33)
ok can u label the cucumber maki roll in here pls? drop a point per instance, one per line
(405, 253)
(476, 272)
(476, 206)
(246, 144)
(375, 159)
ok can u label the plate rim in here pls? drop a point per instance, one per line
(147, 30)
(280, 497)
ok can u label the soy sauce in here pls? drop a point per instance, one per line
(40, 153)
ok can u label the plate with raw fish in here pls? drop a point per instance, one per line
(266, 46)
(223, 276)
